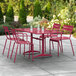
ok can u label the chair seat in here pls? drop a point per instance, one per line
(59, 38)
(22, 41)
(15, 38)
(56, 39)
(65, 38)
(11, 38)
(52, 35)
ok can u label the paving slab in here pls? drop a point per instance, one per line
(64, 65)
(66, 74)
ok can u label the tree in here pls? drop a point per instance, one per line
(37, 9)
(1, 0)
(72, 7)
(22, 13)
(1, 15)
(16, 6)
(47, 10)
(9, 14)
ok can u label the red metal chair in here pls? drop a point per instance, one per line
(19, 42)
(56, 39)
(55, 27)
(10, 38)
(68, 29)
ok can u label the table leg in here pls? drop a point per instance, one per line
(42, 43)
(31, 46)
(31, 40)
(43, 54)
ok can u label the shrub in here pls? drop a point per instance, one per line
(9, 14)
(15, 24)
(54, 20)
(1, 16)
(39, 21)
(46, 10)
(37, 9)
(74, 35)
(35, 21)
(25, 26)
(22, 13)
(65, 13)
(44, 22)
(2, 30)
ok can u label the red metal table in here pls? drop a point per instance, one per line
(35, 31)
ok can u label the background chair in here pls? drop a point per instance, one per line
(68, 29)
(56, 39)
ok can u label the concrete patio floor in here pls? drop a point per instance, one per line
(64, 65)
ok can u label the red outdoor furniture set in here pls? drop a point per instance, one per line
(19, 37)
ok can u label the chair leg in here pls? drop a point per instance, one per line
(52, 44)
(50, 47)
(24, 49)
(58, 48)
(61, 46)
(39, 44)
(12, 50)
(29, 50)
(15, 54)
(45, 45)
(9, 49)
(72, 47)
(4, 46)
(33, 53)
(20, 49)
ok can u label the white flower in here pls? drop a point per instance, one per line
(64, 20)
(49, 26)
(48, 23)
(56, 20)
(59, 14)
(54, 16)
(69, 19)
(52, 20)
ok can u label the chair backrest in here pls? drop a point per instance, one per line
(14, 35)
(7, 32)
(68, 29)
(56, 26)
(17, 36)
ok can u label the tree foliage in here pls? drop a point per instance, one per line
(22, 12)
(37, 9)
(47, 10)
(10, 14)
(56, 6)
(1, 15)
(1, 0)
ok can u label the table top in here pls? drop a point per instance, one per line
(34, 30)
